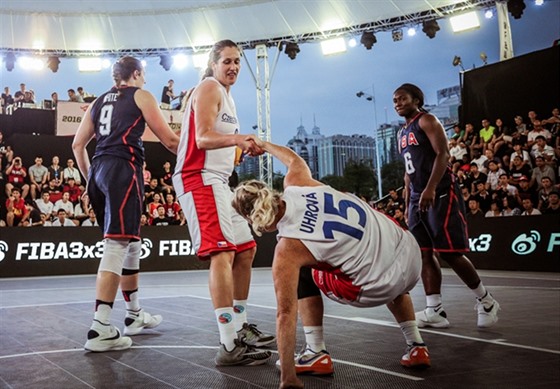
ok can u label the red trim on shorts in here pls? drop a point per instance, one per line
(126, 197)
(245, 246)
(122, 236)
(195, 159)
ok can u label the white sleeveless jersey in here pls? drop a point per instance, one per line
(196, 167)
(343, 232)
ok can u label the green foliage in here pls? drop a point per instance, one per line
(392, 175)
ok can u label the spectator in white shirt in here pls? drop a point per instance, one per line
(65, 204)
(44, 205)
(91, 221)
(62, 221)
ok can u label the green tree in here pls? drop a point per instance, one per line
(337, 182)
(392, 175)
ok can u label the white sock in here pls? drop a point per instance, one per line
(410, 332)
(239, 313)
(132, 301)
(103, 314)
(433, 300)
(224, 318)
(481, 292)
(314, 338)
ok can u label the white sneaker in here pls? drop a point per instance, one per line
(487, 312)
(108, 339)
(135, 322)
(432, 317)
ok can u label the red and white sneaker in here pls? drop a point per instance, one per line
(416, 357)
(314, 363)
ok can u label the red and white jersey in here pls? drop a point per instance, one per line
(196, 167)
(350, 239)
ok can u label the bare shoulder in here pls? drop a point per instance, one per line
(429, 122)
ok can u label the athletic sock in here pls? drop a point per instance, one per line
(239, 313)
(131, 300)
(103, 311)
(224, 318)
(480, 292)
(314, 338)
(410, 332)
(433, 300)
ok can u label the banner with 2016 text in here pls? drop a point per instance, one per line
(69, 116)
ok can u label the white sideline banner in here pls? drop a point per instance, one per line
(69, 116)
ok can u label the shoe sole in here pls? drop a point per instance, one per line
(418, 366)
(105, 349)
(244, 363)
(423, 324)
(131, 332)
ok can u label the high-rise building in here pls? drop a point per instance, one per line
(334, 152)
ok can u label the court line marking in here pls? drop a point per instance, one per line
(501, 342)
(359, 365)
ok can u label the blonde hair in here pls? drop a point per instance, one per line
(258, 203)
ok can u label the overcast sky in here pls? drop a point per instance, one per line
(326, 86)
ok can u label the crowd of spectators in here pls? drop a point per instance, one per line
(26, 98)
(503, 170)
(52, 195)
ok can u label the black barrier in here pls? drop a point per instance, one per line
(28, 121)
(525, 243)
(42, 251)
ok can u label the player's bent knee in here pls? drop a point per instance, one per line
(113, 256)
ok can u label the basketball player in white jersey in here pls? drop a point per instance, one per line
(205, 161)
(359, 257)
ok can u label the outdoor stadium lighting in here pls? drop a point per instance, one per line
(411, 31)
(52, 63)
(371, 97)
(430, 28)
(457, 62)
(368, 40)
(10, 61)
(180, 61)
(397, 34)
(489, 14)
(292, 50)
(352, 42)
(515, 8)
(333, 46)
(464, 22)
(90, 64)
(200, 60)
(165, 61)
(31, 63)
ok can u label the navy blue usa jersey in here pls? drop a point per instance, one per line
(419, 156)
(119, 125)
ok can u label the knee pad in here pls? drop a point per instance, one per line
(131, 263)
(114, 252)
(306, 285)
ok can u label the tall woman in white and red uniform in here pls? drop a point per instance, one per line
(117, 119)
(359, 257)
(205, 161)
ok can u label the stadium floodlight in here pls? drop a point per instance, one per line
(180, 61)
(200, 60)
(333, 46)
(368, 40)
(464, 22)
(90, 64)
(292, 50)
